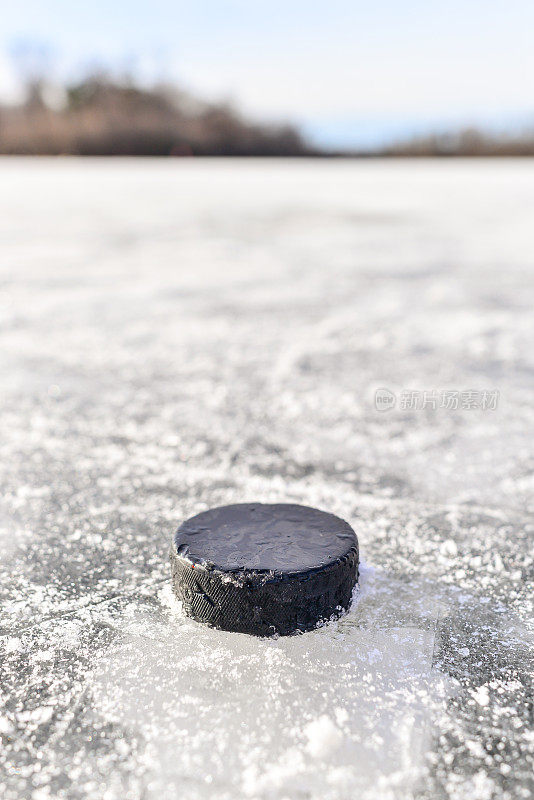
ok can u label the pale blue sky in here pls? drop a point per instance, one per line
(350, 72)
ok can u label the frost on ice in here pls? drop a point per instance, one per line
(181, 336)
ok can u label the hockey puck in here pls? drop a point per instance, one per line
(264, 569)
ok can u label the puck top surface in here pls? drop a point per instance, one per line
(255, 536)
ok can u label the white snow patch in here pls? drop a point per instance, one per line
(324, 737)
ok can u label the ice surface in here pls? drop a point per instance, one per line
(178, 335)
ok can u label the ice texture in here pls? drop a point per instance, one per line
(177, 335)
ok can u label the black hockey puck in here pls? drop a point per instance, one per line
(264, 569)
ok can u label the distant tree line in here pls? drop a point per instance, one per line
(103, 117)
(468, 142)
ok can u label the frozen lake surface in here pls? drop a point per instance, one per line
(183, 334)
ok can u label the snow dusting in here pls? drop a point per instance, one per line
(183, 334)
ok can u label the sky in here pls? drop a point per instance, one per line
(349, 72)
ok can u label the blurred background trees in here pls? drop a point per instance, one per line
(101, 115)
(104, 116)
